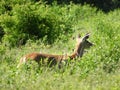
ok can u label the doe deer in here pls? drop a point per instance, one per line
(81, 45)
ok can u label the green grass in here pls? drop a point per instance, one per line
(98, 69)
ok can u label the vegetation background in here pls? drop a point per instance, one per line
(48, 26)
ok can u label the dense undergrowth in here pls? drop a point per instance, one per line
(36, 27)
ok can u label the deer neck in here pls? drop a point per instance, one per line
(78, 52)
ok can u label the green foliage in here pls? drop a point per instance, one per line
(37, 23)
(34, 21)
(104, 5)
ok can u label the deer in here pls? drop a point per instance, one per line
(82, 43)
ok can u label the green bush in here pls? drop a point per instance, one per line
(99, 68)
(33, 21)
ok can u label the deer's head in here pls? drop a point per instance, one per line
(82, 43)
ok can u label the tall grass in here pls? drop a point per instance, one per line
(97, 69)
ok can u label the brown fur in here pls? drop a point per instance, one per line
(82, 43)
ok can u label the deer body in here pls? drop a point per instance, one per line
(40, 58)
(82, 43)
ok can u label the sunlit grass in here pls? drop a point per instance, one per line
(98, 69)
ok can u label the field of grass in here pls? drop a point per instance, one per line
(98, 69)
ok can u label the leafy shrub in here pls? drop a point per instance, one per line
(110, 46)
(36, 20)
(33, 22)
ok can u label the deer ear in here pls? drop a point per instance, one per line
(78, 36)
(86, 36)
